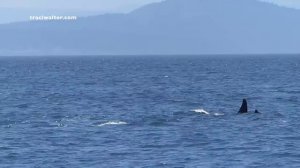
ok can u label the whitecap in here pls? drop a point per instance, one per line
(218, 114)
(112, 123)
(284, 121)
(202, 111)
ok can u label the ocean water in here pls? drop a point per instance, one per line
(149, 111)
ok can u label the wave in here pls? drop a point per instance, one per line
(218, 114)
(202, 111)
(112, 123)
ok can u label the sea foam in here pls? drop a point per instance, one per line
(112, 123)
(202, 111)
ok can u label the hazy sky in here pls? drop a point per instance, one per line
(289, 3)
(85, 5)
(22, 9)
(99, 5)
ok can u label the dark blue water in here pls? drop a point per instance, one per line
(145, 111)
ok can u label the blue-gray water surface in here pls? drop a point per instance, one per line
(149, 111)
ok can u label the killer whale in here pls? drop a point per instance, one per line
(244, 108)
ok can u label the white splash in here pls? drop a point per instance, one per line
(202, 111)
(112, 123)
(218, 114)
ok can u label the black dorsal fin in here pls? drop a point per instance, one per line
(244, 107)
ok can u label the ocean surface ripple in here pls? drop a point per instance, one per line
(159, 111)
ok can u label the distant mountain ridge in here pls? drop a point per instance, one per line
(169, 27)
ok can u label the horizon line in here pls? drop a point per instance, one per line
(154, 55)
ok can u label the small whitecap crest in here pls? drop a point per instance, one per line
(112, 123)
(218, 114)
(202, 111)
